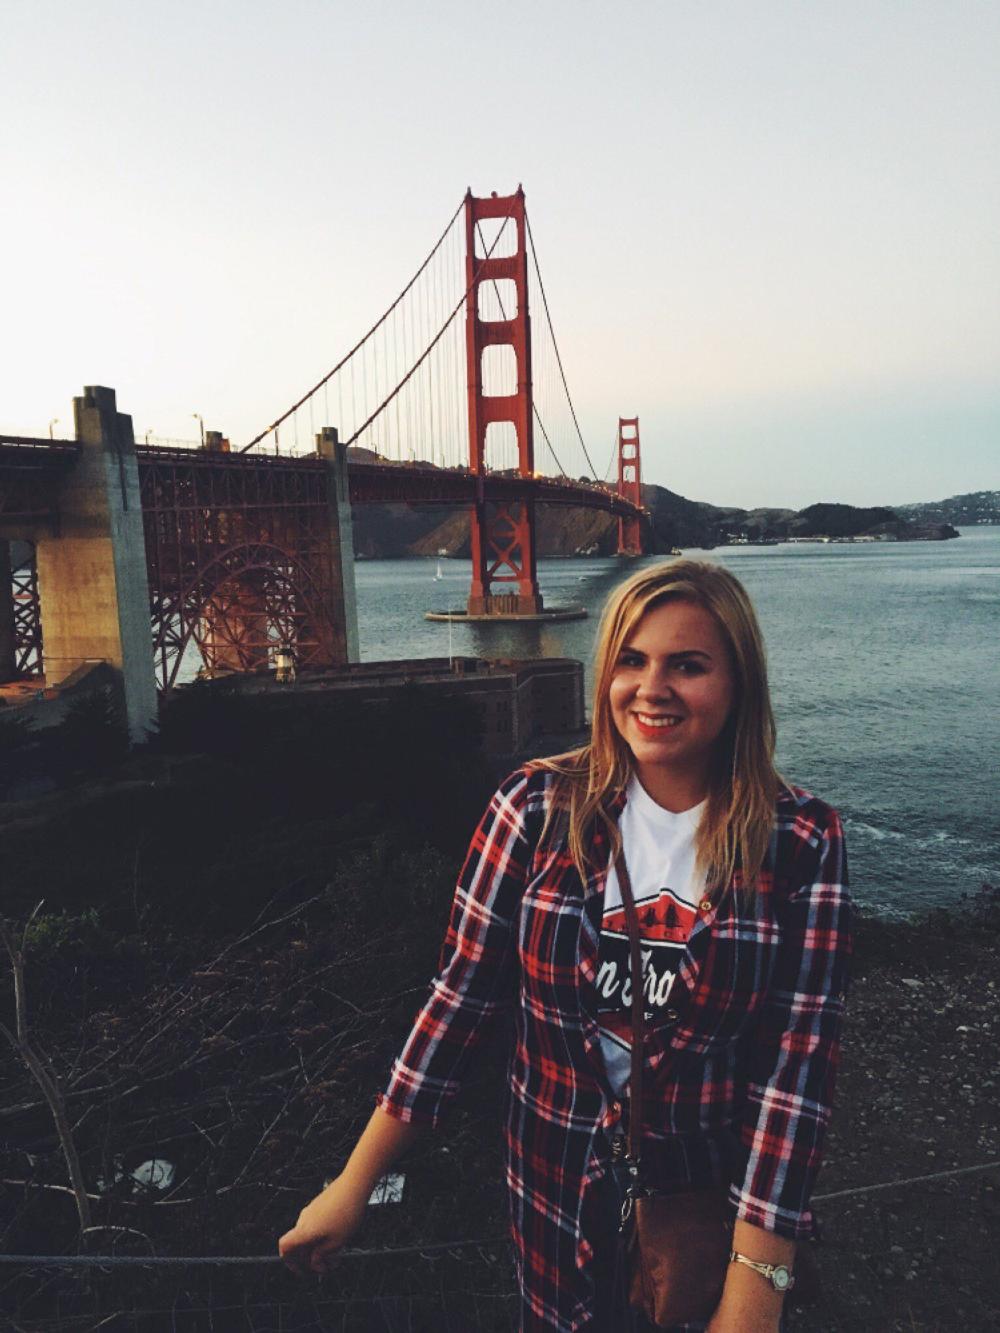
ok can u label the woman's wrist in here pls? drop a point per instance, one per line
(384, 1140)
(750, 1302)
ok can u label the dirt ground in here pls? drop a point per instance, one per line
(917, 1095)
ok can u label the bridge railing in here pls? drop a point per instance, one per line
(41, 446)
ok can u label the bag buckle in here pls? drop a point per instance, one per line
(634, 1191)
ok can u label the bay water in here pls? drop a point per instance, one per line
(885, 675)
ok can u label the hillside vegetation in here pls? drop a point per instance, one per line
(396, 531)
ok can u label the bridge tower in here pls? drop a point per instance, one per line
(629, 484)
(502, 535)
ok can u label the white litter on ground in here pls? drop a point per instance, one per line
(388, 1190)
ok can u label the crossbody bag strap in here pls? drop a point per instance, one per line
(634, 1141)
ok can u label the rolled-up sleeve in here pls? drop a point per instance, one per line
(476, 977)
(795, 1055)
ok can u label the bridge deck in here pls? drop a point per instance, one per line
(370, 482)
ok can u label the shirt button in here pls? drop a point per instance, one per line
(670, 1015)
(705, 905)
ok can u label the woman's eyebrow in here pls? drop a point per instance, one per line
(690, 652)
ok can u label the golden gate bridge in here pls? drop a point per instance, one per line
(454, 395)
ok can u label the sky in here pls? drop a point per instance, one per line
(769, 229)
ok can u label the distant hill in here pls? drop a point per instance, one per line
(976, 507)
(394, 531)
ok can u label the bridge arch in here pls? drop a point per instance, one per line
(245, 602)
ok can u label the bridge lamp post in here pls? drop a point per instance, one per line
(148, 434)
(197, 416)
(52, 424)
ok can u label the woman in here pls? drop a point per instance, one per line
(740, 885)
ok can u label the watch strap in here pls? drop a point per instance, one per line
(767, 1271)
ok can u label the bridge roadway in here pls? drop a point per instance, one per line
(29, 467)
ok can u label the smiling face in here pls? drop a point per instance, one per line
(671, 693)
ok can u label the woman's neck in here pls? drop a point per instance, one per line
(672, 790)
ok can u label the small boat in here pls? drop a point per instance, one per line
(440, 573)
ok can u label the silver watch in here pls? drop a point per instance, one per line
(779, 1275)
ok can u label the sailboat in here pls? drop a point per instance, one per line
(440, 573)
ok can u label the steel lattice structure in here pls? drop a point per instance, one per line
(27, 617)
(29, 472)
(239, 556)
(29, 475)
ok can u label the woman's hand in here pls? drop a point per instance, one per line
(324, 1226)
(333, 1216)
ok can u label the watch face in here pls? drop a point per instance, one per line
(781, 1277)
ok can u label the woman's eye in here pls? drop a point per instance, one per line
(691, 668)
(630, 660)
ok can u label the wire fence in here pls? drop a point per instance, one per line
(895, 1256)
(443, 1291)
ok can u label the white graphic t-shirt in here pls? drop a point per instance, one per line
(660, 855)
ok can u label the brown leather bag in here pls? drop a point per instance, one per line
(677, 1244)
(678, 1249)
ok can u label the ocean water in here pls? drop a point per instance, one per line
(885, 674)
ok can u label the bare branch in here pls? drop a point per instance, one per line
(37, 1064)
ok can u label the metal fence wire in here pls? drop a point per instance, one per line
(912, 1256)
(441, 1292)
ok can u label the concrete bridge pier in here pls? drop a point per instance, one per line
(92, 579)
(328, 446)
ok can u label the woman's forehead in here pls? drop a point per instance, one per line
(677, 625)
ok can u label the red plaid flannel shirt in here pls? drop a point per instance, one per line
(739, 1082)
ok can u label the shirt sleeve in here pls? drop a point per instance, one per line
(795, 1055)
(476, 976)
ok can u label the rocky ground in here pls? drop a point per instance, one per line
(917, 1095)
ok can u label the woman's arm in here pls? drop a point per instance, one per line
(796, 1045)
(477, 972)
(749, 1303)
(790, 1092)
(333, 1216)
(475, 980)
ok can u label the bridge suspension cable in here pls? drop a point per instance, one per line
(361, 342)
(555, 345)
(401, 391)
(612, 456)
(427, 350)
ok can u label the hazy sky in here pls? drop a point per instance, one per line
(770, 229)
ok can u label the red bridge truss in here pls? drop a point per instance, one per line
(240, 556)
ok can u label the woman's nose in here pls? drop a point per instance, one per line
(655, 684)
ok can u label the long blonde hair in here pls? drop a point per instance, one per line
(734, 833)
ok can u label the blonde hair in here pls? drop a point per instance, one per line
(735, 832)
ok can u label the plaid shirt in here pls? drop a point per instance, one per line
(739, 1075)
